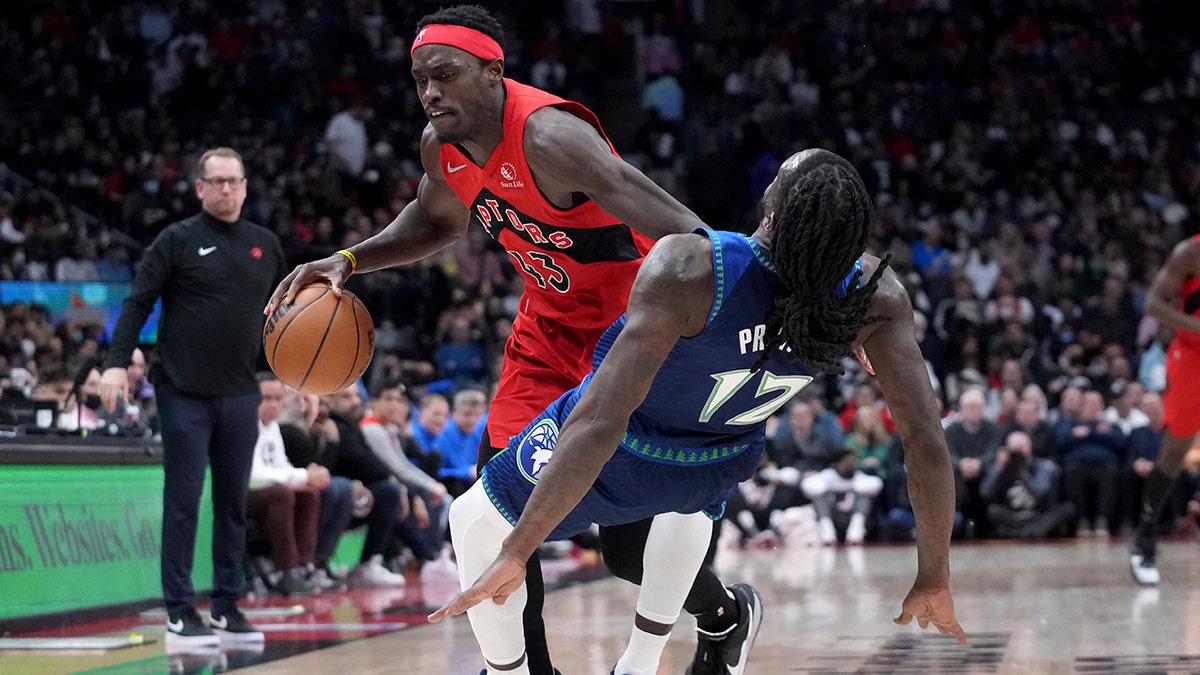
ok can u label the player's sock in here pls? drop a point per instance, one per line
(719, 620)
(642, 655)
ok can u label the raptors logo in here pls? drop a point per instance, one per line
(537, 448)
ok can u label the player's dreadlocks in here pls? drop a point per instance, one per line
(822, 218)
(471, 16)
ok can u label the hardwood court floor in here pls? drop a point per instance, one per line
(1066, 607)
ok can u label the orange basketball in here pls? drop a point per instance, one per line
(320, 343)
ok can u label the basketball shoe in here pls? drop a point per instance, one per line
(728, 654)
(233, 626)
(185, 628)
(1142, 567)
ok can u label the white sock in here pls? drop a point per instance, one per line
(642, 655)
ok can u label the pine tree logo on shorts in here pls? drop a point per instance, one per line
(537, 448)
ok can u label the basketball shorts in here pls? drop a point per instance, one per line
(1181, 398)
(629, 488)
(542, 359)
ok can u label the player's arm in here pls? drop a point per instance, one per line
(892, 351)
(1162, 300)
(671, 298)
(567, 154)
(429, 223)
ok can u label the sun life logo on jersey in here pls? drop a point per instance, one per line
(509, 173)
(537, 448)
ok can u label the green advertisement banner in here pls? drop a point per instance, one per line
(82, 536)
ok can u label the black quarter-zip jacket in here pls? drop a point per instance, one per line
(214, 279)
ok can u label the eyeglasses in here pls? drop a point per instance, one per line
(221, 183)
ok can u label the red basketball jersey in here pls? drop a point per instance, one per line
(578, 263)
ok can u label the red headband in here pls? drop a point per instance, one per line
(467, 39)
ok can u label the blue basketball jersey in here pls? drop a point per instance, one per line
(700, 430)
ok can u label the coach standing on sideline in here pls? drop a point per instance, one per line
(214, 272)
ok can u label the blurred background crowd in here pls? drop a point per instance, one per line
(1032, 163)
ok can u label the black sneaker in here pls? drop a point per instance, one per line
(322, 580)
(1142, 567)
(729, 653)
(185, 628)
(234, 626)
(295, 582)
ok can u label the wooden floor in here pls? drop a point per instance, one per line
(1045, 608)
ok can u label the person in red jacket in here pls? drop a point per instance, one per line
(537, 173)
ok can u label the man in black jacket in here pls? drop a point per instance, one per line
(214, 272)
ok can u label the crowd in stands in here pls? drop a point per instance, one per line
(1032, 163)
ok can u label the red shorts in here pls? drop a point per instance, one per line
(542, 360)
(1181, 398)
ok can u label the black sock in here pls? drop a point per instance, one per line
(720, 620)
(1154, 499)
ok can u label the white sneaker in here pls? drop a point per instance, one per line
(1144, 571)
(828, 532)
(856, 531)
(372, 574)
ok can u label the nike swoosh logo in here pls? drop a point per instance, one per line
(452, 169)
(219, 624)
(205, 251)
(175, 626)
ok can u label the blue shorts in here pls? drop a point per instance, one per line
(629, 488)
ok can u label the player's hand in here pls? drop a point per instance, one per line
(114, 386)
(931, 606)
(335, 269)
(497, 582)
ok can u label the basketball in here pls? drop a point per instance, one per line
(320, 343)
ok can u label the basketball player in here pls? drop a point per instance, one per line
(721, 331)
(538, 174)
(1174, 299)
(212, 271)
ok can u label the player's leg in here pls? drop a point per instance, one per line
(537, 651)
(1181, 414)
(675, 548)
(477, 532)
(1155, 496)
(727, 619)
(541, 362)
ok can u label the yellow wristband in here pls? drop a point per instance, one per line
(351, 258)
